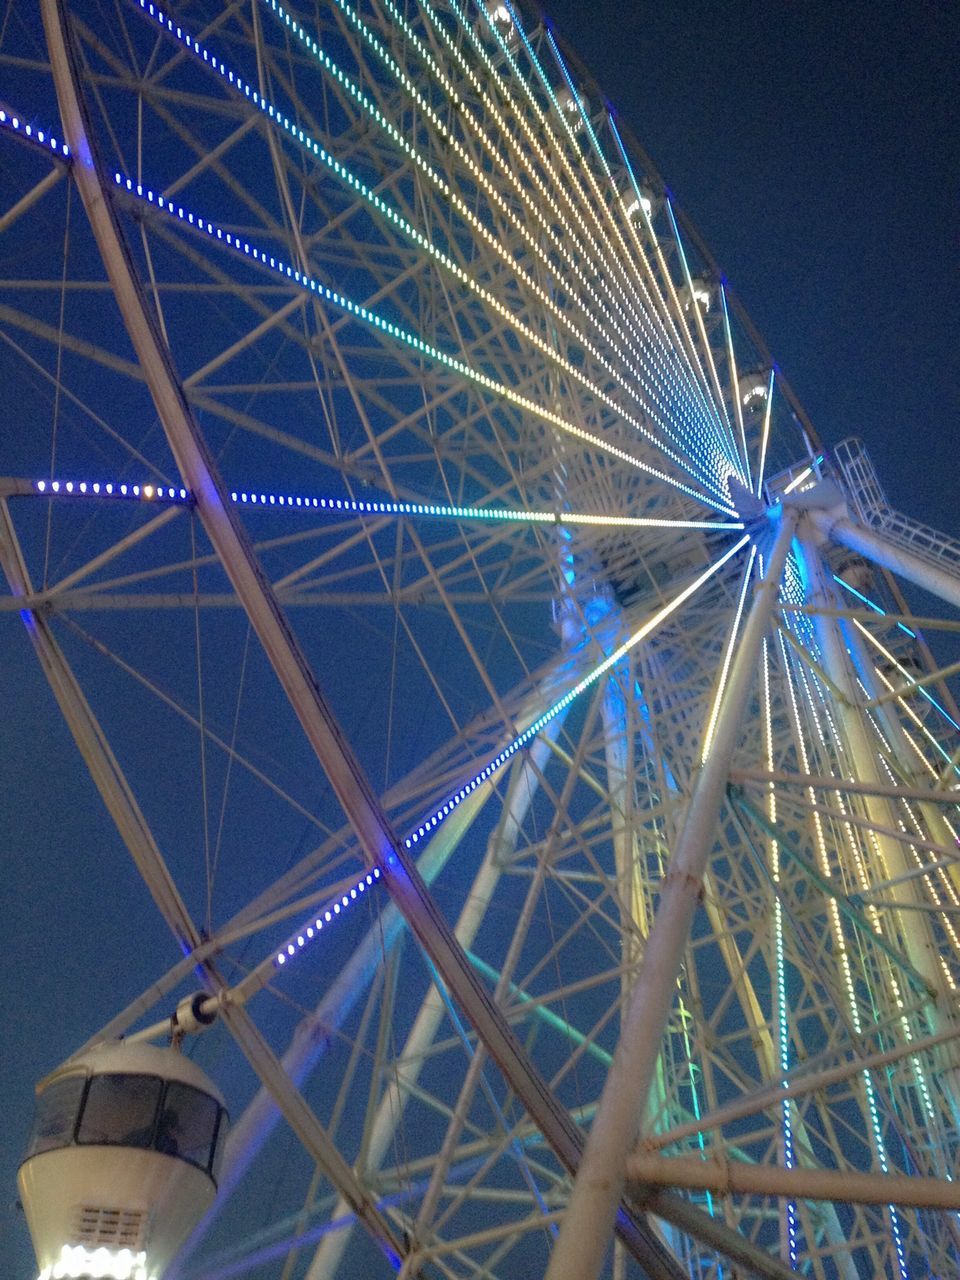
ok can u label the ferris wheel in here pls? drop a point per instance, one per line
(507, 704)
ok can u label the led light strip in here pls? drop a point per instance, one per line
(41, 136)
(794, 592)
(870, 910)
(452, 196)
(734, 382)
(907, 709)
(305, 935)
(919, 688)
(727, 658)
(77, 1262)
(310, 284)
(704, 393)
(768, 411)
(574, 176)
(355, 506)
(570, 231)
(942, 875)
(780, 966)
(434, 820)
(95, 489)
(872, 605)
(400, 223)
(695, 311)
(564, 186)
(326, 917)
(799, 479)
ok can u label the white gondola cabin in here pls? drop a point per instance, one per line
(122, 1162)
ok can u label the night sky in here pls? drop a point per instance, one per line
(817, 149)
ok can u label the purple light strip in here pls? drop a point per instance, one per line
(326, 917)
(40, 136)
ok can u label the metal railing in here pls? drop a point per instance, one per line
(869, 505)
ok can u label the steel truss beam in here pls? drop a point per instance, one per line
(732, 1177)
(380, 845)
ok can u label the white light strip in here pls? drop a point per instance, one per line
(768, 410)
(147, 492)
(310, 284)
(735, 382)
(417, 238)
(721, 411)
(624, 254)
(872, 1118)
(912, 680)
(16, 123)
(565, 185)
(704, 394)
(325, 917)
(799, 479)
(355, 506)
(727, 658)
(314, 927)
(76, 1261)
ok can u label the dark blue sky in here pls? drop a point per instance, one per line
(816, 146)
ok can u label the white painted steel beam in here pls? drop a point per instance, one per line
(587, 1225)
(889, 554)
(734, 1177)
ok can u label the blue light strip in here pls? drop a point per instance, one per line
(354, 506)
(310, 284)
(913, 635)
(872, 605)
(42, 137)
(325, 917)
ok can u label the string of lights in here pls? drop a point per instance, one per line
(616, 262)
(148, 492)
(650, 406)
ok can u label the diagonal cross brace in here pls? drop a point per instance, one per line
(380, 845)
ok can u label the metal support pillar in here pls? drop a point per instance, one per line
(887, 553)
(588, 1222)
(918, 940)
